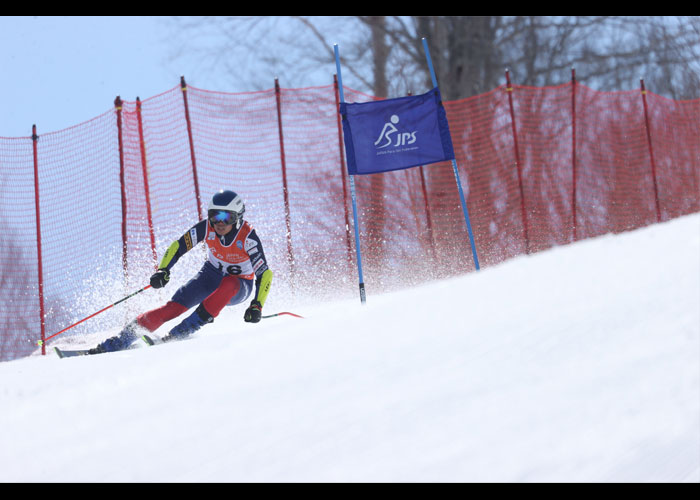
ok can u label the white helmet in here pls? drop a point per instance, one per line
(226, 206)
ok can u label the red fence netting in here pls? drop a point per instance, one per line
(540, 167)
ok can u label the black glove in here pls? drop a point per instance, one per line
(253, 313)
(160, 278)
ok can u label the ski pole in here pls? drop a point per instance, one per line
(281, 313)
(41, 342)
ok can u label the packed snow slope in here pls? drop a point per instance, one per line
(581, 363)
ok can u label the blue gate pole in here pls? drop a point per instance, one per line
(454, 167)
(352, 188)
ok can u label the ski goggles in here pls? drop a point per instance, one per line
(216, 216)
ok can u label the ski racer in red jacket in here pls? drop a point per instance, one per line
(236, 264)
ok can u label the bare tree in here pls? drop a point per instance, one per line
(248, 52)
(470, 53)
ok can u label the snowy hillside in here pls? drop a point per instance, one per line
(577, 364)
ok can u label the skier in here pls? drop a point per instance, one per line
(236, 263)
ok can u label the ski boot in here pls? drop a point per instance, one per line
(125, 338)
(189, 325)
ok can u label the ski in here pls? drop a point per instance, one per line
(151, 340)
(66, 353)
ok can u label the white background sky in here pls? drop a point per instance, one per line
(60, 71)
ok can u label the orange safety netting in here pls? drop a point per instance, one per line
(540, 167)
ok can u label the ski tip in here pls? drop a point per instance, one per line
(58, 352)
(148, 340)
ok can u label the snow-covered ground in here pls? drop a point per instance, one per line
(577, 364)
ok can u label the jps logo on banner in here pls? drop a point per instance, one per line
(391, 136)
